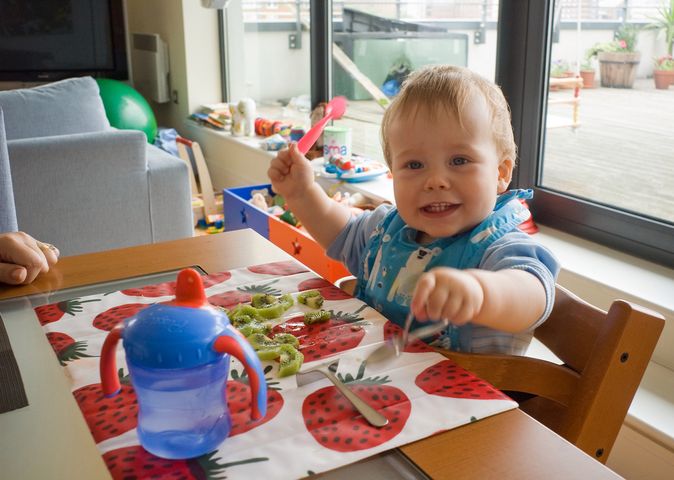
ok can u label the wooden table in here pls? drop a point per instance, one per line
(49, 438)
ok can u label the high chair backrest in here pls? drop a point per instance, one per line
(604, 356)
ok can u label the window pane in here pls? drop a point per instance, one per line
(611, 140)
(268, 56)
(376, 44)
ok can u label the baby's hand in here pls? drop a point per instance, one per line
(447, 293)
(290, 172)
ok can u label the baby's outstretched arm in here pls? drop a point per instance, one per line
(292, 177)
(509, 300)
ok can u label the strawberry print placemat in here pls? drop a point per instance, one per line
(308, 429)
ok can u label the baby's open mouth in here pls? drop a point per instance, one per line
(438, 207)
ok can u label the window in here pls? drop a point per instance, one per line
(605, 179)
(600, 160)
(268, 56)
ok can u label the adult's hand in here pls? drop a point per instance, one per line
(22, 258)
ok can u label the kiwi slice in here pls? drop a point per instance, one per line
(302, 296)
(240, 320)
(291, 360)
(254, 327)
(319, 316)
(287, 339)
(315, 302)
(268, 353)
(284, 303)
(262, 300)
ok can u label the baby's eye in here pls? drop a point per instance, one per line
(458, 161)
(414, 165)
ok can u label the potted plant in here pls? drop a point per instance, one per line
(618, 59)
(664, 66)
(587, 73)
(663, 73)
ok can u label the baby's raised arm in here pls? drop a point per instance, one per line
(292, 177)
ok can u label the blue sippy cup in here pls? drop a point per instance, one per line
(178, 357)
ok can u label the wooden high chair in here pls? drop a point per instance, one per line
(603, 354)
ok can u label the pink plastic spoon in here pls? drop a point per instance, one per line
(333, 110)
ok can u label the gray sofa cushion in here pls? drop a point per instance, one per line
(60, 108)
(7, 213)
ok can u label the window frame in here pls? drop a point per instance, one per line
(523, 53)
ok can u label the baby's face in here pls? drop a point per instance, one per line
(445, 177)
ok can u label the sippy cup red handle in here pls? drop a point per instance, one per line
(233, 343)
(108, 366)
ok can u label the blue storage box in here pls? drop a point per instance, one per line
(240, 213)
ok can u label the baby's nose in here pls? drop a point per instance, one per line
(437, 182)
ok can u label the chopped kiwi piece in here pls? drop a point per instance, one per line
(291, 360)
(302, 296)
(268, 353)
(244, 309)
(315, 302)
(260, 341)
(319, 316)
(262, 300)
(240, 320)
(254, 327)
(287, 339)
(276, 310)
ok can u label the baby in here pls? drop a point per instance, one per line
(450, 249)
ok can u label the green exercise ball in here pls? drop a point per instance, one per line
(126, 109)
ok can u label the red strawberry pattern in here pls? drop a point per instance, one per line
(243, 294)
(136, 462)
(335, 424)
(282, 269)
(342, 332)
(55, 311)
(327, 289)
(215, 278)
(152, 291)
(66, 348)
(238, 401)
(447, 379)
(108, 417)
(111, 317)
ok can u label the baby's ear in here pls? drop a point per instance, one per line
(505, 174)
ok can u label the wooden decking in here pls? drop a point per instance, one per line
(622, 153)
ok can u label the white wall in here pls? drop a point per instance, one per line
(191, 33)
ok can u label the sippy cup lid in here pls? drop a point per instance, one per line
(176, 334)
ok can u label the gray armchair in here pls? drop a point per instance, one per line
(82, 185)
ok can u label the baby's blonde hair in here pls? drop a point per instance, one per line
(450, 87)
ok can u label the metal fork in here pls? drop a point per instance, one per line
(394, 346)
(372, 416)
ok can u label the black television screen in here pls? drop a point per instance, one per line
(42, 40)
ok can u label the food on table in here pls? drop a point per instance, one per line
(311, 298)
(320, 316)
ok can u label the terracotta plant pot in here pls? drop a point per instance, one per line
(618, 69)
(588, 78)
(663, 79)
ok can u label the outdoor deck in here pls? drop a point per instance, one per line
(622, 153)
